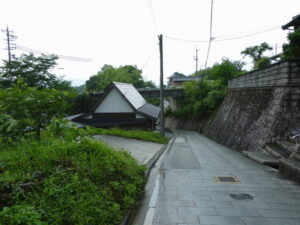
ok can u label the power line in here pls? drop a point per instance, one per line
(153, 16)
(225, 39)
(63, 57)
(184, 40)
(253, 31)
(248, 35)
(148, 60)
(210, 32)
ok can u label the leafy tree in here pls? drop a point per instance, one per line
(34, 71)
(177, 74)
(224, 71)
(80, 88)
(127, 74)
(292, 49)
(31, 108)
(256, 54)
(203, 97)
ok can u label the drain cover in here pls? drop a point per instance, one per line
(227, 179)
(241, 196)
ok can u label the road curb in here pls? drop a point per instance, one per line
(132, 212)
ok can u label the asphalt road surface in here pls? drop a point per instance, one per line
(190, 191)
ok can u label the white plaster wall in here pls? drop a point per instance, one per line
(114, 102)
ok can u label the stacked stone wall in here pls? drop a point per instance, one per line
(260, 106)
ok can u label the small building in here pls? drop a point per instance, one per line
(121, 105)
(177, 81)
(295, 23)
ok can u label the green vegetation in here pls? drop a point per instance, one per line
(26, 108)
(292, 49)
(66, 179)
(125, 74)
(50, 172)
(203, 97)
(135, 134)
(256, 54)
(34, 71)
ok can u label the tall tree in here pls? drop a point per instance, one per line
(292, 49)
(35, 71)
(127, 74)
(256, 53)
(30, 108)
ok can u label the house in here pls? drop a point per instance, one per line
(177, 81)
(295, 22)
(121, 105)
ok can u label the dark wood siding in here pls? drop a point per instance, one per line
(113, 115)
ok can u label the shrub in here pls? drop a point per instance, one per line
(67, 182)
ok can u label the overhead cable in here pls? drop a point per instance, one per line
(63, 57)
(225, 39)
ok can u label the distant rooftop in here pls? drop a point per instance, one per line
(295, 22)
(181, 78)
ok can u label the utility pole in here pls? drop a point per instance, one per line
(162, 117)
(10, 46)
(196, 59)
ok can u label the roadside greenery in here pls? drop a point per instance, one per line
(291, 50)
(135, 134)
(256, 53)
(25, 109)
(51, 172)
(66, 178)
(203, 97)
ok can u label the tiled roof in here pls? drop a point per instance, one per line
(149, 110)
(131, 94)
(184, 78)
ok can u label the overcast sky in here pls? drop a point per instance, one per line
(122, 32)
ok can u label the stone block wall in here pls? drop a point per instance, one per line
(260, 106)
(283, 74)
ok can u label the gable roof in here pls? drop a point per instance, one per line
(133, 97)
(131, 94)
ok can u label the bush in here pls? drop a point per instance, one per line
(63, 182)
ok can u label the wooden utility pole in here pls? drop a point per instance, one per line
(196, 59)
(10, 46)
(162, 117)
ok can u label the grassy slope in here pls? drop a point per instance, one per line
(67, 182)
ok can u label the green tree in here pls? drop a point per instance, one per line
(35, 71)
(126, 74)
(203, 97)
(31, 108)
(224, 71)
(292, 49)
(256, 54)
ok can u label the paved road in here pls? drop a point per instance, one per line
(190, 194)
(142, 151)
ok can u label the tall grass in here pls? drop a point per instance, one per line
(136, 134)
(64, 182)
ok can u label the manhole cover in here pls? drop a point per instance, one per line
(241, 196)
(227, 179)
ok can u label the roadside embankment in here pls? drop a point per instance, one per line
(260, 106)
